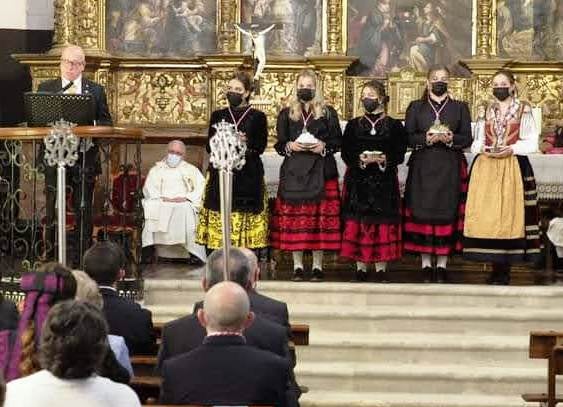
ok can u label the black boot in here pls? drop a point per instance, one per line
(428, 274)
(441, 275)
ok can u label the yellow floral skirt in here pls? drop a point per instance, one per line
(248, 230)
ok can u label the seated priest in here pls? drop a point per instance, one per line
(173, 194)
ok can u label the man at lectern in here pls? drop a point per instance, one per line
(88, 166)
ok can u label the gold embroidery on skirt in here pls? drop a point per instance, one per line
(248, 230)
(495, 199)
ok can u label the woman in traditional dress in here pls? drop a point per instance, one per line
(249, 217)
(439, 128)
(373, 145)
(502, 222)
(306, 214)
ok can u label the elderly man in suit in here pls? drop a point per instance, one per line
(88, 166)
(270, 308)
(229, 371)
(267, 332)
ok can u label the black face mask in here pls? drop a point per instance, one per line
(501, 93)
(370, 104)
(439, 88)
(305, 94)
(234, 99)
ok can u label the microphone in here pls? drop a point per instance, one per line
(68, 85)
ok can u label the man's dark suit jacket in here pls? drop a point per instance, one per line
(9, 315)
(225, 371)
(126, 318)
(272, 309)
(185, 334)
(102, 115)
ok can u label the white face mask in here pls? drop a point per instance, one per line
(173, 160)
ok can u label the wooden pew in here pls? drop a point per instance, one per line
(547, 345)
(299, 333)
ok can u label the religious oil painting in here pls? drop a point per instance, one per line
(161, 28)
(530, 29)
(388, 35)
(297, 30)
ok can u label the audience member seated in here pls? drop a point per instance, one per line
(104, 262)
(51, 284)
(185, 334)
(260, 304)
(225, 370)
(117, 364)
(8, 314)
(173, 193)
(73, 344)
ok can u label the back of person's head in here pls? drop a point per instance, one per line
(103, 262)
(86, 289)
(226, 308)
(51, 284)
(74, 340)
(239, 268)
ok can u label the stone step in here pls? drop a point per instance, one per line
(423, 348)
(171, 292)
(420, 378)
(356, 399)
(386, 319)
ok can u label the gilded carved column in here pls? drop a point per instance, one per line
(334, 35)
(80, 23)
(228, 40)
(485, 27)
(64, 20)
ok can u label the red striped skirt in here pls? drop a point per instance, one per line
(442, 239)
(307, 226)
(370, 243)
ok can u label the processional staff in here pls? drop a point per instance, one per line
(61, 147)
(227, 154)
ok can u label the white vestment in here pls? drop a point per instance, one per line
(555, 234)
(173, 224)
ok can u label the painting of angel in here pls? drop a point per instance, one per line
(173, 28)
(387, 35)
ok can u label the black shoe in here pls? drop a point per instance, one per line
(298, 274)
(441, 275)
(318, 275)
(382, 276)
(499, 278)
(428, 274)
(361, 276)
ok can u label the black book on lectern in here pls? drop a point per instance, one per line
(45, 108)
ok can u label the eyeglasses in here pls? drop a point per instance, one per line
(73, 64)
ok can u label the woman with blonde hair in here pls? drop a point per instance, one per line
(306, 214)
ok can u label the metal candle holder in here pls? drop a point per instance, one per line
(227, 154)
(61, 147)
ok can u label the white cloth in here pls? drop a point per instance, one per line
(555, 235)
(121, 352)
(77, 84)
(44, 389)
(173, 223)
(527, 140)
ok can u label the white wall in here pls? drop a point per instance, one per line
(26, 14)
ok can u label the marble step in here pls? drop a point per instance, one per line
(171, 292)
(423, 348)
(420, 378)
(370, 399)
(385, 319)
